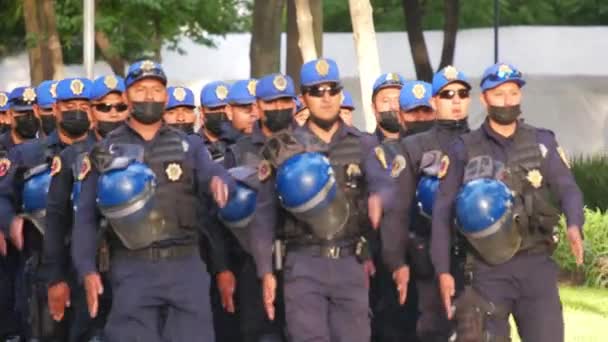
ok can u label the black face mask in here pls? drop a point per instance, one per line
(4, 128)
(389, 121)
(278, 119)
(49, 123)
(75, 123)
(454, 125)
(148, 112)
(324, 124)
(214, 122)
(418, 127)
(27, 125)
(187, 128)
(105, 127)
(504, 115)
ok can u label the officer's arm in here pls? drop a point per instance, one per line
(207, 168)
(443, 208)
(262, 227)
(84, 234)
(7, 192)
(55, 256)
(561, 182)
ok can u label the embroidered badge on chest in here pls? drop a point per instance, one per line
(174, 172)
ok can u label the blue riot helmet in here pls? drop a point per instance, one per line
(37, 181)
(425, 195)
(75, 194)
(484, 214)
(125, 196)
(307, 188)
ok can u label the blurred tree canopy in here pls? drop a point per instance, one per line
(388, 15)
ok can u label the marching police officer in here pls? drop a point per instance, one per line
(450, 97)
(385, 100)
(216, 129)
(46, 92)
(328, 182)
(179, 111)
(415, 119)
(347, 107)
(498, 180)
(22, 126)
(147, 179)
(109, 111)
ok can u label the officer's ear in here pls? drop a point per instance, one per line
(482, 99)
(229, 112)
(36, 111)
(434, 100)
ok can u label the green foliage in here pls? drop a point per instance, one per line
(591, 173)
(595, 268)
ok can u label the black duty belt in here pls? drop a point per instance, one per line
(157, 253)
(326, 251)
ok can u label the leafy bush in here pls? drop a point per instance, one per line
(595, 268)
(591, 175)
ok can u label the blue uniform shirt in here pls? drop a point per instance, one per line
(555, 171)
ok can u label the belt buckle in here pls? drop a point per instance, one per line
(334, 252)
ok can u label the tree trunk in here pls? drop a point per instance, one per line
(420, 54)
(109, 54)
(367, 55)
(32, 30)
(54, 44)
(450, 29)
(265, 47)
(294, 56)
(305, 30)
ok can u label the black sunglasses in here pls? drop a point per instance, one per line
(106, 108)
(319, 91)
(449, 94)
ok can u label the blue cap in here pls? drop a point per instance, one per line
(46, 92)
(104, 85)
(22, 98)
(446, 76)
(4, 103)
(500, 73)
(391, 79)
(74, 89)
(275, 86)
(145, 69)
(415, 94)
(347, 100)
(180, 97)
(242, 92)
(319, 71)
(215, 94)
(299, 105)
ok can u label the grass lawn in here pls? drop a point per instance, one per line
(585, 314)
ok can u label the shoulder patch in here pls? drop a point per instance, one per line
(443, 167)
(379, 151)
(85, 168)
(398, 165)
(55, 165)
(5, 165)
(264, 170)
(563, 155)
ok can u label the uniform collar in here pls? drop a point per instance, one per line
(489, 132)
(257, 136)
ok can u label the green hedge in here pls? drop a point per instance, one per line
(591, 175)
(595, 268)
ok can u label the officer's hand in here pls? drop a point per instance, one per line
(447, 291)
(401, 277)
(269, 286)
(374, 209)
(59, 299)
(219, 189)
(226, 284)
(92, 284)
(576, 244)
(370, 270)
(2, 244)
(17, 232)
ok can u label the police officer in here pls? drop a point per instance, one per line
(146, 179)
(326, 297)
(23, 192)
(385, 100)
(450, 96)
(347, 107)
(415, 119)
(513, 168)
(63, 284)
(22, 125)
(5, 122)
(179, 111)
(242, 109)
(216, 130)
(46, 93)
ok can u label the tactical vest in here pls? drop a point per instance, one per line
(346, 158)
(175, 197)
(245, 152)
(217, 150)
(533, 212)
